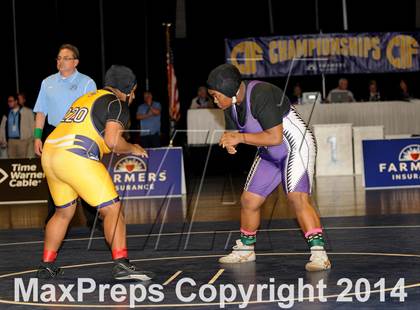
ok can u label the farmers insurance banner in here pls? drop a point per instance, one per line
(159, 175)
(391, 163)
(324, 53)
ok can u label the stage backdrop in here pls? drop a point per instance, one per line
(334, 53)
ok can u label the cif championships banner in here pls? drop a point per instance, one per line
(324, 53)
(22, 180)
(159, 175)
(391, 163)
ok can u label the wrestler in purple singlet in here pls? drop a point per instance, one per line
(280, 163)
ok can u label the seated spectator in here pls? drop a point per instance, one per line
(341, 93)
(404, 93)
(374, 94)
(17, 127)
(296, 98)
(148, 113)
(203, 100)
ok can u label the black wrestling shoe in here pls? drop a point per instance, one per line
(48, 271)
(124, 270)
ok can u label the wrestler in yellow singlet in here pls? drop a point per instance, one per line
(72, 151)
(71, 156)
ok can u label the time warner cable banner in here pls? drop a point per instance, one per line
(22, 180)
(391, 163)
(335, 53)
(159, 175)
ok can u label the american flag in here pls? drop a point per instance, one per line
(174, 105)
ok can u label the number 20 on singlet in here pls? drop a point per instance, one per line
(75, 115)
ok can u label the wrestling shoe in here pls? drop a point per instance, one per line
(48, 271)
(319, 260)
(124, 270)
(241, 254)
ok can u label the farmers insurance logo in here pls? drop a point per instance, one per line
(410, 153)
(130, 164)
(408, 166)
(132, 174)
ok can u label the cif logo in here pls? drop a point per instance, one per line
(130, 164)
(3, 175)
(245, 55)
(401, 50)
(410, 153)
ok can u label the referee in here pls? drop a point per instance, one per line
(57, 93)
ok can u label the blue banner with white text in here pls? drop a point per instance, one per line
(335, 53)
(161, 174)
(391, 163)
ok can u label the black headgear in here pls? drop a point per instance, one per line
(226, 79)
(121, 78)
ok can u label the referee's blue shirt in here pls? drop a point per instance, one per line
(58, 93)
